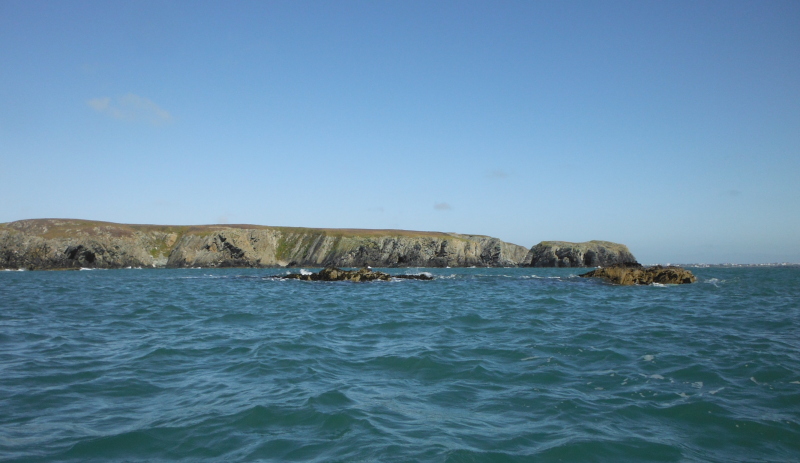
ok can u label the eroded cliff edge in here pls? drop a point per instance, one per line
(69, 243)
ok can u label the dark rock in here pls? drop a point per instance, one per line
(233, 251)
(80, 254)
(337, 274)
(418, 276)
(635, 274)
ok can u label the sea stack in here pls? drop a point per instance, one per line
(587, 254)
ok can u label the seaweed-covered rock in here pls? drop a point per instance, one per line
(635, 274)
(336, 274)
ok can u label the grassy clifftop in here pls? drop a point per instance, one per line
(62, 228)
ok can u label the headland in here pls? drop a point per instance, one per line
(48, 244)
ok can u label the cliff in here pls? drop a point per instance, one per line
(64, 244)
(587, 254)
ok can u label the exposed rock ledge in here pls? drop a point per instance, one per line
(587, 254)
(637, 275)
(362, 275)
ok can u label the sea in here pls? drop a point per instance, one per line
(477, 365)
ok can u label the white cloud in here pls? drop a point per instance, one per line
(99, 104)
(442, 207)
(131, 108)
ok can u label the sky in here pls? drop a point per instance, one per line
(672, 127)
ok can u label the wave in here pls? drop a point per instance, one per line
(713, 281)
(507, 365)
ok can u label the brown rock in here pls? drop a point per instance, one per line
(638, 275)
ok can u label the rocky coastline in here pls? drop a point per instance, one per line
(49, 244)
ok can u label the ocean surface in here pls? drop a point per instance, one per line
(478, 365)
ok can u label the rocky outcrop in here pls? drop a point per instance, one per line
(56, 243)
(638, 275)
(587, 254)
(357, 276)
(65, 244)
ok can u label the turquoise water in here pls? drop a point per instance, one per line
(478, 365)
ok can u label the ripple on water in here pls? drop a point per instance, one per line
(477, 365)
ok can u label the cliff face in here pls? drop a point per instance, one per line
(588, 254)
(53, 243)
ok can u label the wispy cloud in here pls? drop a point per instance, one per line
(442, 207)
(733, 193)
(497, 174)
(131, 108)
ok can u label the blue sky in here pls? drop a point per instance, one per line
(672, 127)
